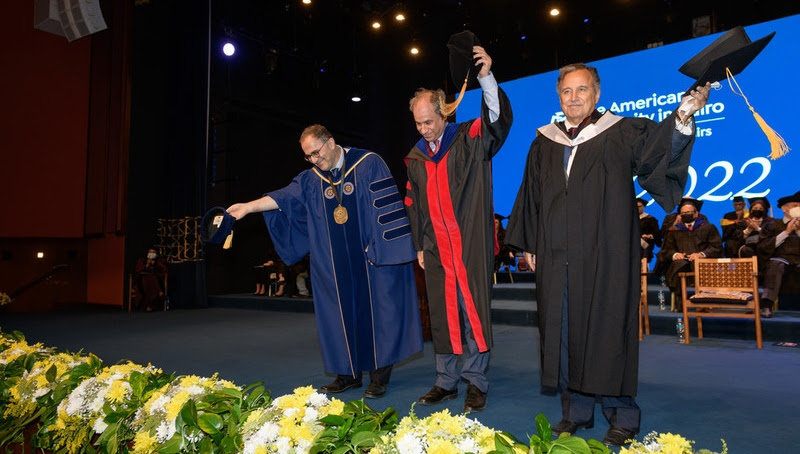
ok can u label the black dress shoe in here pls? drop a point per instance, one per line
(475, 400)
(618, 436)
(339, 385)
(570, 427)
(375, 390)
(436, 395)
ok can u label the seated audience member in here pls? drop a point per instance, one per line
(650, 233)
(150, 275)
(744, 238)
(272, 271)
(779, 247)
(667, 225)
(503, 255)
(689, 239)
(299, 274)
(732, 222)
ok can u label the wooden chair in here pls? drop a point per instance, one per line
(644, 313)
(723, 288)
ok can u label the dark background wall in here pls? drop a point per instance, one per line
(110, 137)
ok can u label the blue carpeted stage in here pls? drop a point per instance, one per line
(717, 387)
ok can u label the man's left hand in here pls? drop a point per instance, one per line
(484, 60)
(699, 98)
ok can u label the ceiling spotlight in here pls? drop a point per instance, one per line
(400, 17)
(40, 255)
(376, 25)
(555, 12)
(414, 50)
(228, 49)
(356, 98)
(306, 2)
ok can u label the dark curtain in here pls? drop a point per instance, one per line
(168, 155)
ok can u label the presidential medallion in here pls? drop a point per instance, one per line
(340, 214)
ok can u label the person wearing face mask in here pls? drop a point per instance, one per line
(731, 223)
(347, 213)
(779, 248)
(689, 239)
(150, 280)
(744, 238)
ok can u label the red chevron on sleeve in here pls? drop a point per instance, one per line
(475, 128)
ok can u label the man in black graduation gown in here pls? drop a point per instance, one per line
(449, 205)
(732, 222)
(689, 239)
(576, 212)
(649, 231)
(779, 249)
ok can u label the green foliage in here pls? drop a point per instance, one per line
(211, 424)
(542, 442)
(356, 430)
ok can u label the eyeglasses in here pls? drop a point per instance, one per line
(688, 212)
(315, 154)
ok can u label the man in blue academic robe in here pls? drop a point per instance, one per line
(347, 213)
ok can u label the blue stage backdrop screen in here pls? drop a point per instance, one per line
(731, 154)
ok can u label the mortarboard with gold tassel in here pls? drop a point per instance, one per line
(727, 56)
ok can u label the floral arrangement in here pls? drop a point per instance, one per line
(156, 422)
(290, 424)
(73, 404)
(4, 299)
(46, 375)
(440, 432)
(666, 443)
(84, 412)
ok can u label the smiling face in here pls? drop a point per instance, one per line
(578, 95)
(429, 124)
(322, 153)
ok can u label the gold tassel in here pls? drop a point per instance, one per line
(778, 146)
(450, 109)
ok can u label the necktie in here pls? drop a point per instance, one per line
(435, 148)
(567, 149)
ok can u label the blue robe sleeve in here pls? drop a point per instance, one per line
(384, 224)
(288, 226)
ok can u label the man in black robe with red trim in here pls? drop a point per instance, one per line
(449, 204)
(575, 211)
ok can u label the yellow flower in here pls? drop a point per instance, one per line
(440, 446)
(143, 443)
(117, 391)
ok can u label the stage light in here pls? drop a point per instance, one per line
(40, 255)
(376, 25)
(414, 50)
(400, 17)
(306, 2)
(555, 12)
(228, 49)
(356, 98)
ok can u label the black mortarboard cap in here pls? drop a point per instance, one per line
(461, 59)
(216, 226)
(733, 50)
(738, 198)
(789, 198)
(759, 199)
(690, 200)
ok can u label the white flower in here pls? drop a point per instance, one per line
(99, 426)
(165, 430)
